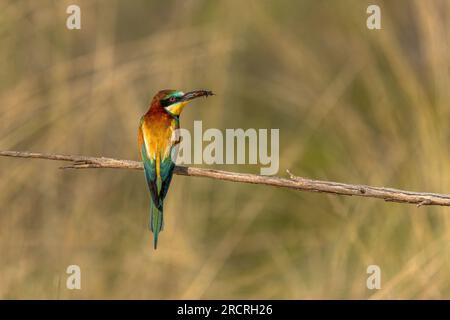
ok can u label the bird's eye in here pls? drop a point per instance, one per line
(172, 99)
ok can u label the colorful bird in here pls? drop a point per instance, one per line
(157, 147)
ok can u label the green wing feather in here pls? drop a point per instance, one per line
(158, 186)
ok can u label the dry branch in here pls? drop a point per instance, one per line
(293, 182)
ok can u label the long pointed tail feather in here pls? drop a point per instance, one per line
(156, 222)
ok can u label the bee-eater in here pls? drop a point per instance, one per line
(157, 129)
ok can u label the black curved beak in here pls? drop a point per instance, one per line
(196, 94)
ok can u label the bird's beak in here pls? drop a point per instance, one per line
(176, 108)
(196, 94)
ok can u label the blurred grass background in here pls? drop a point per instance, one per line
(352, 105)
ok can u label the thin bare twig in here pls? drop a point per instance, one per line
(293, 182)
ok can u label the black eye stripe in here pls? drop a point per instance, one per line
(168, 101)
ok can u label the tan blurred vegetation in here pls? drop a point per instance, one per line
(352, 105)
